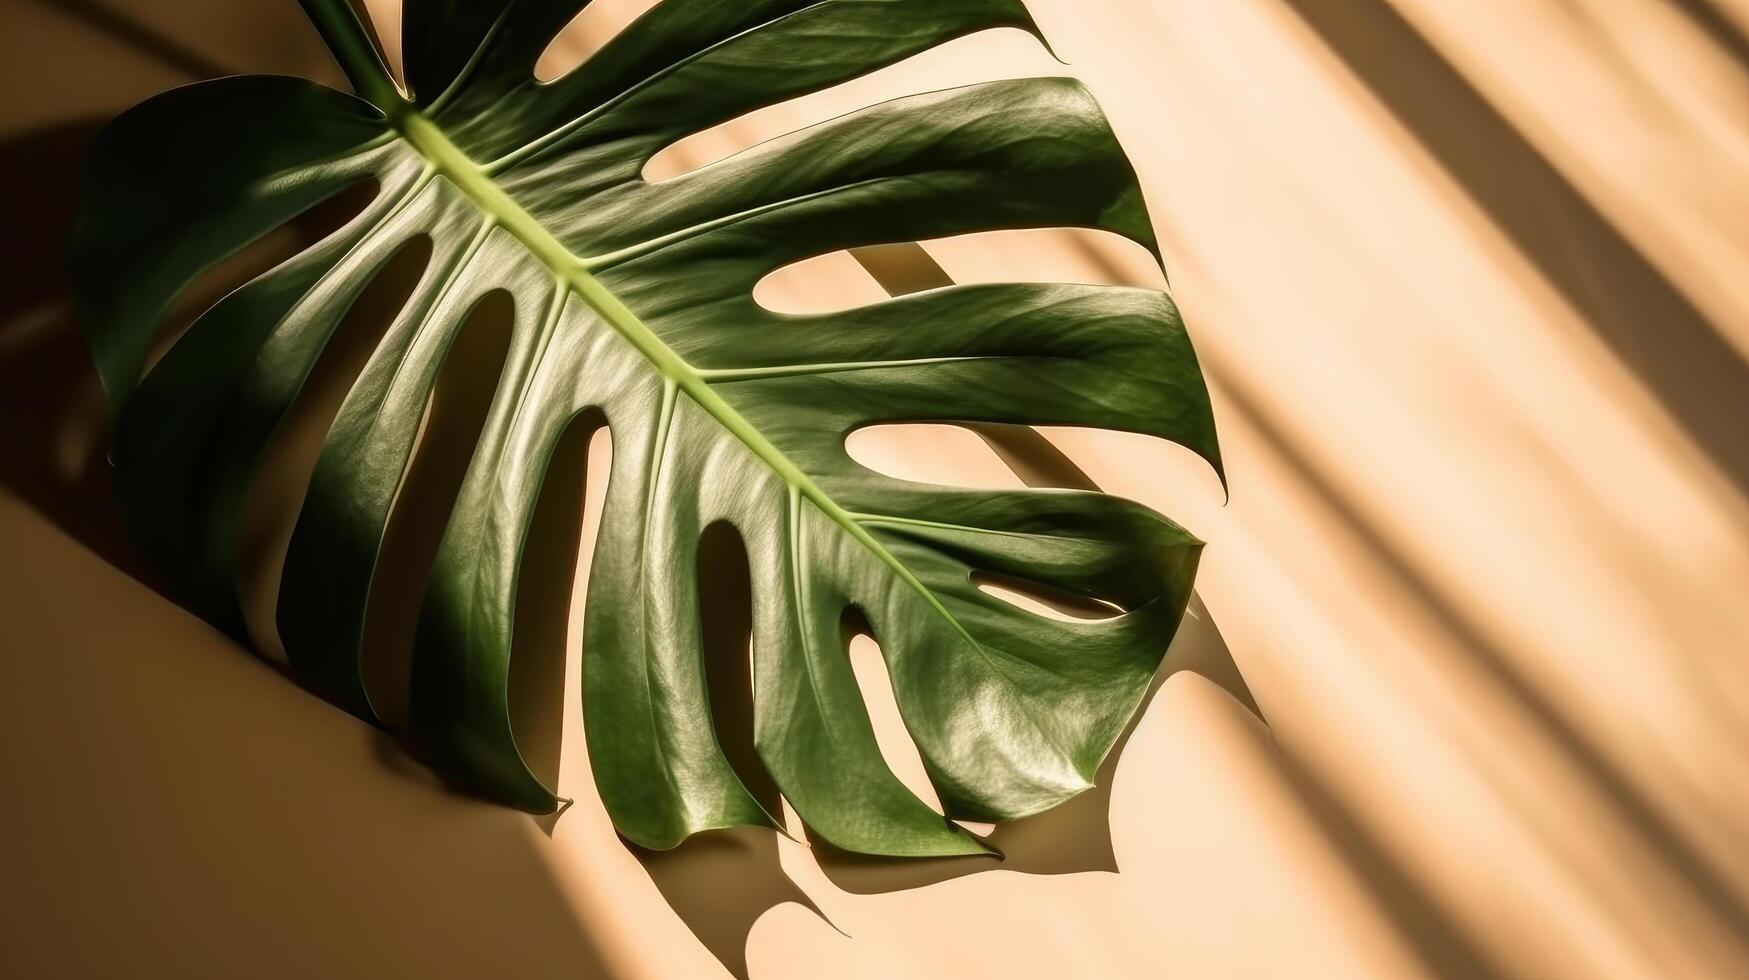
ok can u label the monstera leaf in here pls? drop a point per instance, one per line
(634, 298)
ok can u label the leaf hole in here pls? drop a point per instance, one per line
(455, 414)
(1082, 255)
(943, 454)
(849, 279)
(898, 750)
(546, 695)
(1148, 469)
(546, 588)
(282, 473)
(382, 19)
(314, 224)
(725, 607)
(981, 57)
(599, 22)
(830, 283)
(1045, 600)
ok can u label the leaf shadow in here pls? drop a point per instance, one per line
(52, 456)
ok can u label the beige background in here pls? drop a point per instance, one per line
(1467, 279)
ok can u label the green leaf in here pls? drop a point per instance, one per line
(635, 299)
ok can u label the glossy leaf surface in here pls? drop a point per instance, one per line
(634, 299)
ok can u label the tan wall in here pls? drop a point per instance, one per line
(1466, 276)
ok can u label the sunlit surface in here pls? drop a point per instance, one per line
(1467, 280)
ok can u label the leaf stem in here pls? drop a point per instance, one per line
(351, 44)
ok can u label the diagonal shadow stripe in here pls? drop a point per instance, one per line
(1650, 325)
(1712, 21)
(1706, 883)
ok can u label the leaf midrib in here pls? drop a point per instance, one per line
(572, 273)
